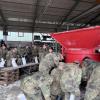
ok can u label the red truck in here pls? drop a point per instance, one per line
(79, 44)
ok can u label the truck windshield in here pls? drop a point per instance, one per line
(37, 38)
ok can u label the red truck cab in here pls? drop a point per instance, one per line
(79, 44)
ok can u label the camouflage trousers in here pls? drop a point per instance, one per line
(96, 98)
(41, 56)
(92, 94)
(8, 63)
(39, 95)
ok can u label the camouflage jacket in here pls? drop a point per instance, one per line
(41, 50)
(35, 51)
(93, 87)
(0, 53)
(3, 53)
(47, 63)
(87, 68)
(37, 85)
(55, 86)
(10, 55)
(50, 60)
(42, 53)
(21, 52)
(71, 79)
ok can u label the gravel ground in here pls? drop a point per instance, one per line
(6, 92)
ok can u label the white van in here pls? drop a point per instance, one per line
(42, 38)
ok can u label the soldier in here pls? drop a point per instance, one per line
(12, 54)
(93, 87)
(87, 67)
(0, 53)
(21, 55)
(19, 51)
(3, 51)
(42, 52)
(28, 53)
(1, 65)
(35, 53)
(56, 73)
(50, 61)
(37, 86)
(70, 81)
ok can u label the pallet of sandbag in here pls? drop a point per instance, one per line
(8, 76)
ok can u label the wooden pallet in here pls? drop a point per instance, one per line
(28, 70)
(7, 77)
(32, 69)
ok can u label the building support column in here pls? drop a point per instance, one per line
(5, 34)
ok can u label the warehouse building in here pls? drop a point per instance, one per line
(49, 49)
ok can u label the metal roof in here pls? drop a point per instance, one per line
(47, 15)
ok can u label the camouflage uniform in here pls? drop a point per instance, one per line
(0, 53)
(42, 53)
(70, 80)
(9, 56)
(50, 60)
(37, 86)
(55, 86)
(28, 53)
(35, 53)
(3, 53)
(87, 67)
(21, 53)
(93, 87)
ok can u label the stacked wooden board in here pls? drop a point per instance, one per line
(11, 74)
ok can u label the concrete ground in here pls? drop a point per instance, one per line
(10, 92)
